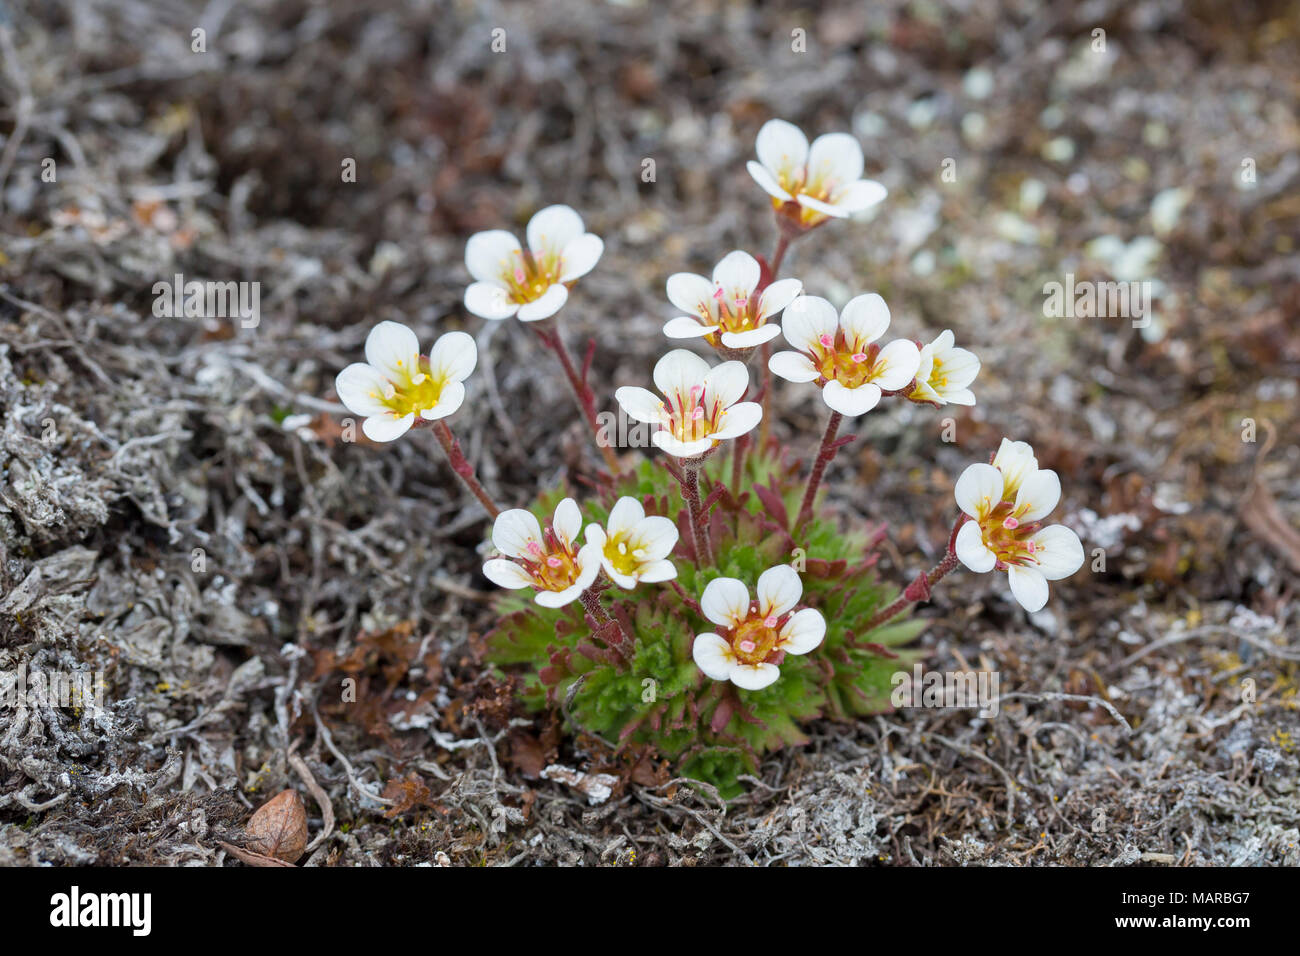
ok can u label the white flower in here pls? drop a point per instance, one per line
(1006, 501)
(531, 283)
(703, 404)
(395, 383)
(838, 354)
(945, 373)
(634, 547)
(811, 184)
(725, 308)
(548, 561)
(753, 637)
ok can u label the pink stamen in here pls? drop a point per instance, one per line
(520, 275)
(717, 294)
(554, 561)
(827, 340)
(697, 391)
(747, 646)
(1011, 524)
(741, 301)
(534, 548)
(769, 621)
(698, 413)
(1031, 546)
(859, 357)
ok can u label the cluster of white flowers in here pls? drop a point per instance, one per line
(632, 548)
(734, 311)
(1007, 501)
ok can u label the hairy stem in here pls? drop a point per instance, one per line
(824, 456)
(919, 590)
(582, 392)
(690, 480)
(461, 466)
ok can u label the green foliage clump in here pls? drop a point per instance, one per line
(659, 702)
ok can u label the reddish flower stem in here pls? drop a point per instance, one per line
(919, 590)
(590, 599)
(690, 480)
(582, 392)
(824, 456)
(461, 466)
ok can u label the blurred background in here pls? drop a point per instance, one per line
(195, 526)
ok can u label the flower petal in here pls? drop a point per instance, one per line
(359, 387)
(767, 181)
(739, 419)
(677, 371)
(737, 275)
(655, 537)
(450, 399)
(580, 256)
(489, 300)
(817, 205)
(691, 293)
(793, 367)
(713, 656)
(684, 327)
(394, 350)
(834, 160)
(978, 489)
(803, 632)
(559, 598)
(754, 676)
(1028, 586)
(514, 530)
(777, 296)
(864, 319)
(971, 550)
(782, 147)
(626, 514)
(506, 574)
(1015, 459)
(778, 590)
(551, 230)
(725, 601)
(1039, 494)
(1058, 550)
(858, 196)
(806, 320)
(751, 338)
(726, 384)
(851, 401)
(491, 256)
(640, 404)
(387, 427)
(898, 361)
(666, 441)
(551, 301)
(453, 357)
(658, 571)
(567, 523)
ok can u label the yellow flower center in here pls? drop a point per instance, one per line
(621, 555)
(528, 277)
(552, 565)
(737, 312)
(1009, 539)
(417, 391)
(753, 640)
(848, 363)
(694, 415)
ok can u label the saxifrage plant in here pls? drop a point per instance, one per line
(712, 605)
